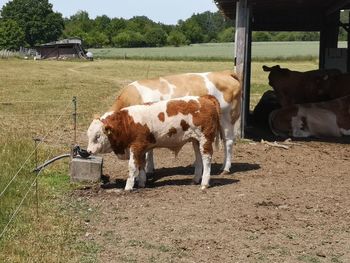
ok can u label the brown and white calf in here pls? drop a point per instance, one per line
(322, 119)
(223, 85)
(164, 124)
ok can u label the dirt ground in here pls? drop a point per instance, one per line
(278, 205)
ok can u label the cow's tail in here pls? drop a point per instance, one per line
(236, 96)
(219, 136)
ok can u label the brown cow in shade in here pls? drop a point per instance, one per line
(295, 87)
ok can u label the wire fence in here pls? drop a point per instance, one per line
(4, 53)
(52, 139)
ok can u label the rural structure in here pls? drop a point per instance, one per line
(283, 15)
(62, 49)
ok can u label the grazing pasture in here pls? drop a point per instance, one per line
(278, 205)
(261, 51)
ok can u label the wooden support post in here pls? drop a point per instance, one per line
(348, 40)
(328, 36)
(242, 60)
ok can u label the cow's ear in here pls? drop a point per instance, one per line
(107, 129)
(266, 68)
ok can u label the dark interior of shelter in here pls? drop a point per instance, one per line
(326, 17)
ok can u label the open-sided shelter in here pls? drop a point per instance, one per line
(282, 15)
(62, 49)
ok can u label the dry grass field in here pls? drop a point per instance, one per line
(276, 206)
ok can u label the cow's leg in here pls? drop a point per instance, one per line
(149, 162)
(198, 165)
(206, 150)
(133, 172)
(228, 134)
(142, 175)
(206, 170)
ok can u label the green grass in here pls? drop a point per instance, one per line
(57, 235)
(261, 51)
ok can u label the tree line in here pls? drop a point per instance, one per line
(33, 22)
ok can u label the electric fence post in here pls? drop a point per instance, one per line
(74, 114)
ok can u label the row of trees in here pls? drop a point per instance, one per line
(33, 22)
(141, 31)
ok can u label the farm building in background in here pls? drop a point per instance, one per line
(62, 49)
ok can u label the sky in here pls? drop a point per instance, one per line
(164, 11)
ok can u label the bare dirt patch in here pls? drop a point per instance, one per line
(277, 206)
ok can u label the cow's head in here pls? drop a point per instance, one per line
(277, 75)
(98, 138)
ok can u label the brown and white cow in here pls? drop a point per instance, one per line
(322, 119)
(295, 87)
(164, 124)
(223, 85)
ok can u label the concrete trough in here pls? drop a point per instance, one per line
(86, 169)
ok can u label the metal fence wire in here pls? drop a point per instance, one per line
(32, 183)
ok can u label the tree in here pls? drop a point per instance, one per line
(176, 38)
(128, 39)
(101, 23)
(261, 36)
(36, 18)
(96, 39)
(192, 30)
(115, 26)
(227, 35)
(11, 35)
(82, 21)
(155, 37)
(140, 24)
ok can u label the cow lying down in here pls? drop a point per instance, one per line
(321, 119)
(164, 124)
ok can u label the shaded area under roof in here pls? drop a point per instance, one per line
(286, 15)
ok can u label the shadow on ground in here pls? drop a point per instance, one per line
(157, 179)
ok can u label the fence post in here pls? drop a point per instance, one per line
(74, 114)
(75, 118)
(36, 140)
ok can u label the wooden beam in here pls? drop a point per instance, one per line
(241, 58)
(337, 6)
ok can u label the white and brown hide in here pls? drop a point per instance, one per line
(165, 124)
(223, 85)
(322, 119)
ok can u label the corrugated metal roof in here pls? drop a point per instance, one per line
(64, 41)
(303, 15)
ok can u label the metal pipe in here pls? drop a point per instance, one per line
(51, 161)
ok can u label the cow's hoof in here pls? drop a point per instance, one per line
(224, 172)
(195, 182)
(128, 189)
(141, 185)
(203, 187)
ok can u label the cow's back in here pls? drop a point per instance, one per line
(338, 86)
(224, 85)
